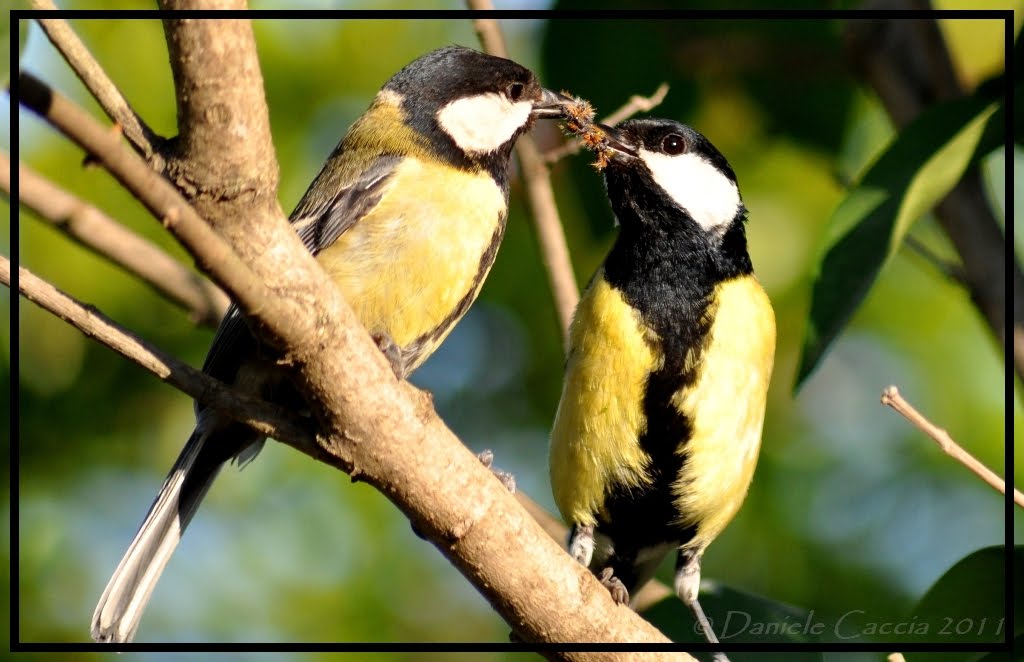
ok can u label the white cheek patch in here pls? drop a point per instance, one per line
(484, 122)
(710, 198)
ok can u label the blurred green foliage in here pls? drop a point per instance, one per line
(852, 513)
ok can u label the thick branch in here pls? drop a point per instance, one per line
(266, 418)
(223, 157)
(383, 431)
(145, 141)
(909, 67)
(93, 229)
(546, 222)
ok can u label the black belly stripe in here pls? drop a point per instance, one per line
(672, 288)
(640, 518)
(667, 268)
(648, 517)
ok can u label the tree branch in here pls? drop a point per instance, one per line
(223, 157)
(636, 104)
(909, 67)
(159, 197)
(369, 420)
(264, 417)
(145, 141)
(537, 179)
(891, 397)
(90, 227)
(555, 254)
(550, 233)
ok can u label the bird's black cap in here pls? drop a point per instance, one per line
(452, 72)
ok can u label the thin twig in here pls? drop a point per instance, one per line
(636, 104)
(90, 227)
(541, 196)
(891, 397)
(550, 233)
(264, 417)
(156, 193)
(145, 141)
(487, 30)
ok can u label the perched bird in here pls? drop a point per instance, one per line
(406, 217)
(671, 349)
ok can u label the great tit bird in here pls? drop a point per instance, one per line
(671, 349)
(406, 217)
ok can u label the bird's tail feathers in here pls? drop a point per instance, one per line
(120, 607)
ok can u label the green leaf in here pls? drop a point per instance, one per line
(922, 164)
(967, 605)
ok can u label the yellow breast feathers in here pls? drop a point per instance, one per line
(390, 266)
(726, 408)
(595, 437)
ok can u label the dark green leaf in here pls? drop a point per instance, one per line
(915, 172)
(967, 605)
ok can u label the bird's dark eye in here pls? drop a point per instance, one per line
(515, 91)
(673, 144)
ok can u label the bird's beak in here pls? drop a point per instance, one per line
(550, 106)
(617, 141)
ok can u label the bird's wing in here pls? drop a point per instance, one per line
(319, 221)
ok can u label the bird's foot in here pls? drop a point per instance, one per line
(508, 480)
(615, 586)
(392, 352)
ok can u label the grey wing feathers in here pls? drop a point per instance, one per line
(319, 222)
(231, 346)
